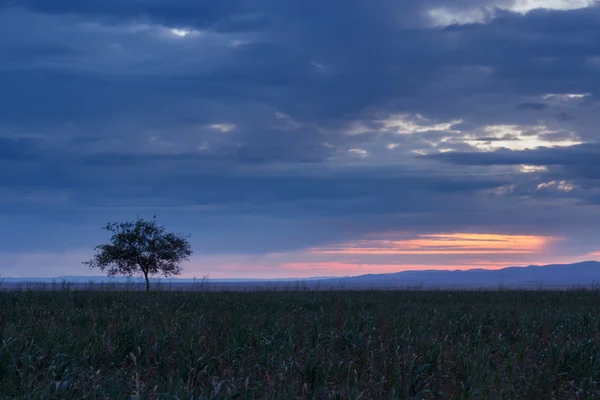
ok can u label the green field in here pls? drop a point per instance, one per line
(286, 345)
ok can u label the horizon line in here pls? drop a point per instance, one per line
(207, 278)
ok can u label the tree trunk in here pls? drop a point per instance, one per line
(147, 282)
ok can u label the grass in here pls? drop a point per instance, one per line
(306, 345)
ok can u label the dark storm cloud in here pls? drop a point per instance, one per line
(186, 179)
(584, 155)
(377, 64)
(368, 56)
(572, 172)
(191, 12)
(223, 208)
(245, 15)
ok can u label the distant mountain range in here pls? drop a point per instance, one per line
(547, 276)
(555, 275)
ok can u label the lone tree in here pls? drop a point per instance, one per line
(141, 247)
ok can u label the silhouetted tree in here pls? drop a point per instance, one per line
(141, 247)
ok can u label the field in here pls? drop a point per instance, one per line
(300, 344)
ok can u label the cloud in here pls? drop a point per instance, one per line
(576, 156)
(443, 244)
(268, 126)
(534, 106)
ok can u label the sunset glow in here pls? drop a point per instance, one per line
(448, 243)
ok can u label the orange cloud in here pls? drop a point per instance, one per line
(442, 244)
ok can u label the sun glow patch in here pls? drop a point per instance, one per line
(182, 32)
(224, 128)
(564, 186)
(565, 97)
(409, 124)
(443, 16)
(524, 6)
(529, 169)
(360, 152)
(443, 243)
(515, 137)
(402, 124)
(446, 16)
(502, 190)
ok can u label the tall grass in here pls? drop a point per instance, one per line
(285, 345)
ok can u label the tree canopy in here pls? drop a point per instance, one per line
(141, 247)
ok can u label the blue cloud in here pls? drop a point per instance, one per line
(328, 108)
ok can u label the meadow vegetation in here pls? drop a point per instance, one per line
(299, 344)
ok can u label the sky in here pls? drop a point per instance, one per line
(301, 138)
